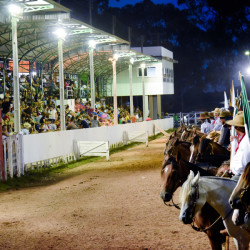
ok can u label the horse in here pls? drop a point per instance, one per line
(197, 191)
(240, 199)
(205, 150)
(173, 175)
(188, 134)
(180, 149)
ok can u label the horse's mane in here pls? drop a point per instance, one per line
(196, 168)
(204, 143)
(187, 186)
(246, 175)
(185, 142)
(196, 140)
(186, 189)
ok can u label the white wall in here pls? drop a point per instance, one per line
(44, 146)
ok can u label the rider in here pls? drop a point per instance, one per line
(206, 126)
(242, 152)
(216, 122)
(225, 130)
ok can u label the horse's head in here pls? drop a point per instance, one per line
(170, 179)
(191, 198)
(240, 197)
(170, 142)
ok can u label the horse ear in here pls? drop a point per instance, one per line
(196, 179)
(191, 175)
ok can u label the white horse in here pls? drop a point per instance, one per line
(216, 191)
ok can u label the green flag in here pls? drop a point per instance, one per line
(245, 105)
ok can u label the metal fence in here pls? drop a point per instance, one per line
(188, 119)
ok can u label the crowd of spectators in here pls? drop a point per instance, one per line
(40, 111)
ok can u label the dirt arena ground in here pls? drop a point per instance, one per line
(101, 205)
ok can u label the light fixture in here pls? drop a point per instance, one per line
(143, 65)
(61, 33)
(116, 56)
(15, 10)
(132, 60)
(247, 53)
(248, 71)
(92, 44)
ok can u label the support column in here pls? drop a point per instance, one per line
(92, 80)
(131, 90)
(17, 126)
(114, 92)
(143, 94)
(151, 106)
(4, 78)
(31, 77)
(61, 84)
(159, 105)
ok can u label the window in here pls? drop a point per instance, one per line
(148, 72)
(140, 72)
(168, 75)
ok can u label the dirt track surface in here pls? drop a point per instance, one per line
(103, 205)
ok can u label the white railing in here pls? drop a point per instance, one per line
(40, 150)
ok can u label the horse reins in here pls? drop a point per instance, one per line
(173, 204)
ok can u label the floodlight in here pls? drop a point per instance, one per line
(92, 44)
(248, 70)
(143, 65)
(132, 60)
(247, 53)
(61, 33)
(15, 10)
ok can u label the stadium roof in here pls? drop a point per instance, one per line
(38, 43)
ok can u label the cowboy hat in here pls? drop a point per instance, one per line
(203, 116)
(224, 114)
(211, 114)
(217, 110)
(238, 120)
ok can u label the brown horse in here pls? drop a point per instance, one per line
(189, 134)
(205, 150)
(240, 199)
(180, 150)
(173, 175)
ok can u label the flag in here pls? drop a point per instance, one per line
(225, 101)
(245, 106)
(233, 96)
(234, 143)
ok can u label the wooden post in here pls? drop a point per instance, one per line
(227, 243)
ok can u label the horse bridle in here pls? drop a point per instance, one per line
(242, 197)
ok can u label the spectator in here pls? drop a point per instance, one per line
(72, 124)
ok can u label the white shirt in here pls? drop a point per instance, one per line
(52, 114)
(206, 127)
(217, 124)
(241, 158)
